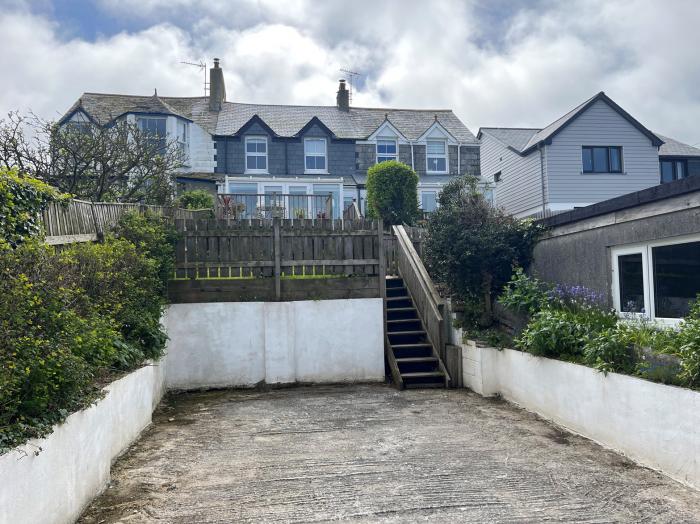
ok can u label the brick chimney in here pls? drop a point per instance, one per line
(343, 97)
(217, 89)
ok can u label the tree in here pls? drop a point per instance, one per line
(196, 199)
(472, 246)
(117, 162)
(392, 189)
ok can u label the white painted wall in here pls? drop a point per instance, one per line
(653, 424)
(56, 485)
(239, 344)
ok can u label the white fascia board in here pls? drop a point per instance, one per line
(381, 133)
(438, 128)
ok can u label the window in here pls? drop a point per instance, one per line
(497, 177)
(386, 150)
(183, 133)
(436, 154)
(428, 201)
(315, 155)
(326, 201)
(255, 154)
(154, 129)
(657, 280)
(601, 159)
(673, 170)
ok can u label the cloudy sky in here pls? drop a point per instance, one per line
(494, 62)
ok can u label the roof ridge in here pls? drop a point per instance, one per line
(518, 128)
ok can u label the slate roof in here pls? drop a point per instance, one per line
(284, 120)
(672, 147)
(515, 137)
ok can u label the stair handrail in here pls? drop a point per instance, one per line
(426, 299)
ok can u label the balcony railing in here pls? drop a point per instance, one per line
(240, 206)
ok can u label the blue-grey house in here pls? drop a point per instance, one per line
(254, 149)
(595, 152)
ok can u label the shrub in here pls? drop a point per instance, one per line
(687, 346)
(563, 334)
(22, 199)
(472, 247)
(154, 237)
(524, 294)
(391, 193)
(612, 349)
(196, 199)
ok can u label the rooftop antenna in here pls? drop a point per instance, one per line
(203, 67)
(351, 78)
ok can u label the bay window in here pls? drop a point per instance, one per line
(153, 129)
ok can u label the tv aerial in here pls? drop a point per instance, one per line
(202, 67)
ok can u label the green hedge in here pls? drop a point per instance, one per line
(74, 317)
(392, 189)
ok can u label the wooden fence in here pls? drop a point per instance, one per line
(81, 221)
(259, 259)
(417, 235)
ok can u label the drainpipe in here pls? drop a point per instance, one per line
(544, 189)
(459, 164)
(413, 165)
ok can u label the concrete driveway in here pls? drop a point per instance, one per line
(374, 454)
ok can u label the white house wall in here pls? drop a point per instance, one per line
(201, 150)
(599, 125)
(520, 188)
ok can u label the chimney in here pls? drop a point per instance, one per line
(217, 89)
(343, 97)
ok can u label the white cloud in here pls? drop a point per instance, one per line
(519, 64)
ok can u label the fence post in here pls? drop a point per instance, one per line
(98, 229)
(382, 269)
(278, 258)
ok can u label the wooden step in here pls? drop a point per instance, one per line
(402, 320)
(411, 346)
(394, 299)
(423, 374)
(415, 360)
(418, 332)
(424, 385)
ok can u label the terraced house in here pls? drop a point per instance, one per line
(293, 160)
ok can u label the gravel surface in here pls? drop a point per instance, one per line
(373, 454)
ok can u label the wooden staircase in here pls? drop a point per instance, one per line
(413, 360)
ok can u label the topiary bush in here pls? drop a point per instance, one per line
(22, 199)
(392, 189)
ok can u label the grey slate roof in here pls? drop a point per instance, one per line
(284, 120)
(672, 147)
(515, 137)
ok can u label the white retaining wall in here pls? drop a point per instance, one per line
(653, 424)
(240, 344)
(56, 485)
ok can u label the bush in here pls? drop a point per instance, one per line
(22, 199)
(472, 246)
(524, 294)
(154, 237)
(392, 189)
(71, 318)
(196, 199)
(562, 334)
(686, 346)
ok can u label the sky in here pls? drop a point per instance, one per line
(494, 62)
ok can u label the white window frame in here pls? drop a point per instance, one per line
(325, 155)
(256, 138)
(433, 191)
(446, 156)
(395, 156)
(647, 251)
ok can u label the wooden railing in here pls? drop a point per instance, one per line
(352, 211)
(81, 221)
(429, 304)
(415, 234)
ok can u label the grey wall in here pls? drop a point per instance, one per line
(583, 257)
(599, 125)
(520, 188)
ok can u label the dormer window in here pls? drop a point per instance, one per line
(154, 129)
(386, 150)
(255, 154)
(436, 155)
(315, 155)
